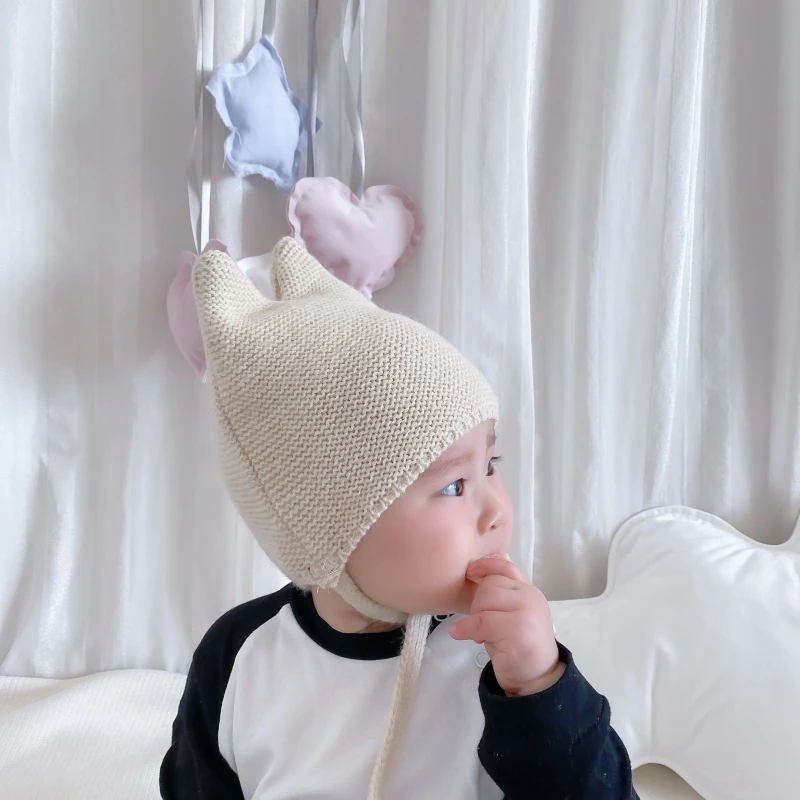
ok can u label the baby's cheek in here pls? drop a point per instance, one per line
(441, 548)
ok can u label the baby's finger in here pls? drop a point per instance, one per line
(498, 593)
(478, 570)
(485, 626)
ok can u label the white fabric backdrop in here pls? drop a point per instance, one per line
(611, 194)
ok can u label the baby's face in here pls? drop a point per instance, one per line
(415, 557)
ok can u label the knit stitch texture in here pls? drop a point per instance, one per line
(327, 409)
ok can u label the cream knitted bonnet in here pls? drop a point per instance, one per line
(327, 408)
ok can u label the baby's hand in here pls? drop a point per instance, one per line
(513, 619)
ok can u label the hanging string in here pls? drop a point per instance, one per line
(313, 8)
(198, 171)
(270, 17)
(353, 63)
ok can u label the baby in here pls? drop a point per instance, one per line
(409, 659)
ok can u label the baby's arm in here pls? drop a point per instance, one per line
(548, 732)
(193, 767)
(554, 744)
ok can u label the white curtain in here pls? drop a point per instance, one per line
(611, 194)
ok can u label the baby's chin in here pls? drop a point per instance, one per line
(453, 600)
(462, 608)
(441, 607)
(463, 600)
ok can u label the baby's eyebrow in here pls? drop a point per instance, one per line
(448, 464)
(451, 463)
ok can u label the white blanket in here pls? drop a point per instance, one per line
(102, 737)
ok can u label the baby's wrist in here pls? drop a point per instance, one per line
(542, 682)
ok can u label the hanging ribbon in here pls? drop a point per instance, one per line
(313, 8)
(198, 170)
(270, 16)
(352, 61)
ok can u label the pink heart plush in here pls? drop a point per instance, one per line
(182, 311)
(361, 242)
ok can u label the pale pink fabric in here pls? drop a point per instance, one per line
(182, 311)
(361, 242)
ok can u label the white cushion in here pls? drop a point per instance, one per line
(656, 782)
(101, 736)
(696, 643)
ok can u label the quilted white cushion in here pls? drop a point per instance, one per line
(696, 643)
(103, 737)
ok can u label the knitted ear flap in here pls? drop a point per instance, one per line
(296, 273)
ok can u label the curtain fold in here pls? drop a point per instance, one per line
(610, 195)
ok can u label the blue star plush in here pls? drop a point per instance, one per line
(267, 122)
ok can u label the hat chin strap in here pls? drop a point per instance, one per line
(347, 589)
(417, 627)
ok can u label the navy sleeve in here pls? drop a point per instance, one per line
(557, 744)
(193, 767)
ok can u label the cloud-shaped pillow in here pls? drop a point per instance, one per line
(696, 643)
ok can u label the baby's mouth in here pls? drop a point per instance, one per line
(506, 556)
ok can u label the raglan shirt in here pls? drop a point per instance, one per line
(280, 706)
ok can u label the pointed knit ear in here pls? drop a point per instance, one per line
(296, 273)
(224, 295)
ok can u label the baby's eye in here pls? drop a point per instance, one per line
(490, 470)
(455, 489)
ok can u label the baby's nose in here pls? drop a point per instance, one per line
(492, 517)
